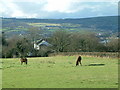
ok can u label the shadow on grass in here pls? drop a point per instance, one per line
(96, 65)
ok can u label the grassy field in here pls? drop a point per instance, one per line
(60, 72)
(43, 24)
(0, 74)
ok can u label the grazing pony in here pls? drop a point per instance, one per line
(79, 61)
(23, 60)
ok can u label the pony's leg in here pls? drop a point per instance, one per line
(26, 63)
(21, 63)
(77, 63)
(80, 63)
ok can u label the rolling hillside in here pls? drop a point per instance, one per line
(107, 24)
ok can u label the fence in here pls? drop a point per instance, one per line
(94, 54)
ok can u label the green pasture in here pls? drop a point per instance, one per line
(43, 24)
(60, 72)
(0, 79)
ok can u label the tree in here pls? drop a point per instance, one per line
(76, 42)
(17, 46)
(83, 42)
(35, 34)
(4, 42)
(23, 47)
(91, 42)
(113, 45)
(60, 40)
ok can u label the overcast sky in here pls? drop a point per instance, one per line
(58, 8)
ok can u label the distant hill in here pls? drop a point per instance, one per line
(104, 24)
(107, 23)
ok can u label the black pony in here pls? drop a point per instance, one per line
(79, 61)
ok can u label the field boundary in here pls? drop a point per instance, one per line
(90, 54)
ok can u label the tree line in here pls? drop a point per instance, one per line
(60, 40)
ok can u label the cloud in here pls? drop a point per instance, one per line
(57, 5)
(57, 8)
(72, 6)
(11, 9)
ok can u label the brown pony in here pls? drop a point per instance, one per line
(79, 61)
(23, 60)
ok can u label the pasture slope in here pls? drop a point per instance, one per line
(60, 72)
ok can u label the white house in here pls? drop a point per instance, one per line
(40, 43)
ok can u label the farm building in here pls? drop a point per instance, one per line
(41, 43)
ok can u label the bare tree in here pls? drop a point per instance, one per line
(113, 45)
(60, 40)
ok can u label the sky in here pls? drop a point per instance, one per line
(57, 9)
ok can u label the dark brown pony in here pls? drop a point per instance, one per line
(23, 60)
(79, 61)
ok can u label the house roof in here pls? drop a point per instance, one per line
(43, 42)
(39, 41)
